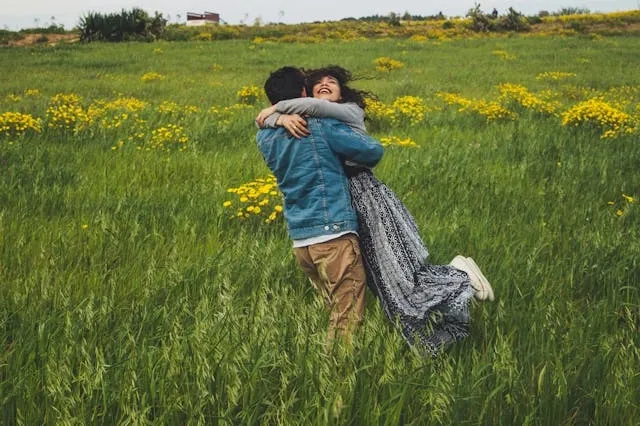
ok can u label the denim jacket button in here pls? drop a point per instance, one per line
(326, 228)
(336, 227)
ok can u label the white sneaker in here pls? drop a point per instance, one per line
(485, 282)
(478, 281)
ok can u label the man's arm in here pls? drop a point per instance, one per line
(350, 144)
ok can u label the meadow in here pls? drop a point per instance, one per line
(146, 276)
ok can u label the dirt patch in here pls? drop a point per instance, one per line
(49, 39)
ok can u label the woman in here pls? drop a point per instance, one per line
(429, 303)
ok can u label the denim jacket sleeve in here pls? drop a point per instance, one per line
(349, 144)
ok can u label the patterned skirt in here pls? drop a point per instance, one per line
(428, 303)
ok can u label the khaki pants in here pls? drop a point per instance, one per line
(335, 268)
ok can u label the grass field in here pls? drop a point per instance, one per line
(130, 293)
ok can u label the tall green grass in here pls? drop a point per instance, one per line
(128, 295)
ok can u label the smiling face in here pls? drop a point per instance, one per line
(327, 88)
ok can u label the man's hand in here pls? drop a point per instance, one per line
(264, 114)
(295, 125)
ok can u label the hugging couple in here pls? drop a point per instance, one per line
(348, 228)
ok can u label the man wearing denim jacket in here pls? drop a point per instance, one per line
(317, 202)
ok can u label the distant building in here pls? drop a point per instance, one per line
(207, 18)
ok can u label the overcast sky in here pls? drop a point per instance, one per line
(16, 14)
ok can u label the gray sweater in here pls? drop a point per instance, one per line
(349, 113)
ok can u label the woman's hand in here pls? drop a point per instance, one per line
(264, 114)
(295, 125)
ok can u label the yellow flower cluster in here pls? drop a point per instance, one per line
(112, 121)
(163, 138)
(555, 75)
(127, 103)
(170, 107)
(13, 98)
(17, 124)
(397, 141)
(411, 108)
(259, 198)
(65, 112)
(418, 38)
(249, 94)
(521, 95)
(404, 110)
(204, 36)
(137, 132)
(152, 76)
(491, 110)
(112, 114)
(380, 112)
(597, 112)
(385, 64)
(504, 55)
(216, 67)
(32, 92)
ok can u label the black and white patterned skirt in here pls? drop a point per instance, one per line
(428, 303)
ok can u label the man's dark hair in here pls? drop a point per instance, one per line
(284, 83)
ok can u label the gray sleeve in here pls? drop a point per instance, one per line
(270, 121)
(349, 113)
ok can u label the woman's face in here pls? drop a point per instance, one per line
(327, 88)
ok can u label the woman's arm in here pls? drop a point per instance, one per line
(349, 113)
(293, 123)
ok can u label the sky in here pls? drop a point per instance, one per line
(18, 14)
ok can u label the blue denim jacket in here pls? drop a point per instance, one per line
(310, 174)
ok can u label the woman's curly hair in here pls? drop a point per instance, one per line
(313, 76)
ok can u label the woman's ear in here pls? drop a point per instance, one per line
(304, 92)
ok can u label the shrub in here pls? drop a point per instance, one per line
(51, 29)
(447, 25)
(513, 21)
(572, 11)
(6, 36)
(577, 26)
(480, 22)
(126, 25)
(534, 20)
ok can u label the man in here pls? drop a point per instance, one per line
(317, 203)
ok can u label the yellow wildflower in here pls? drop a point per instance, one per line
(385, 64)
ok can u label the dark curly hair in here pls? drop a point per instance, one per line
(344, 76)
